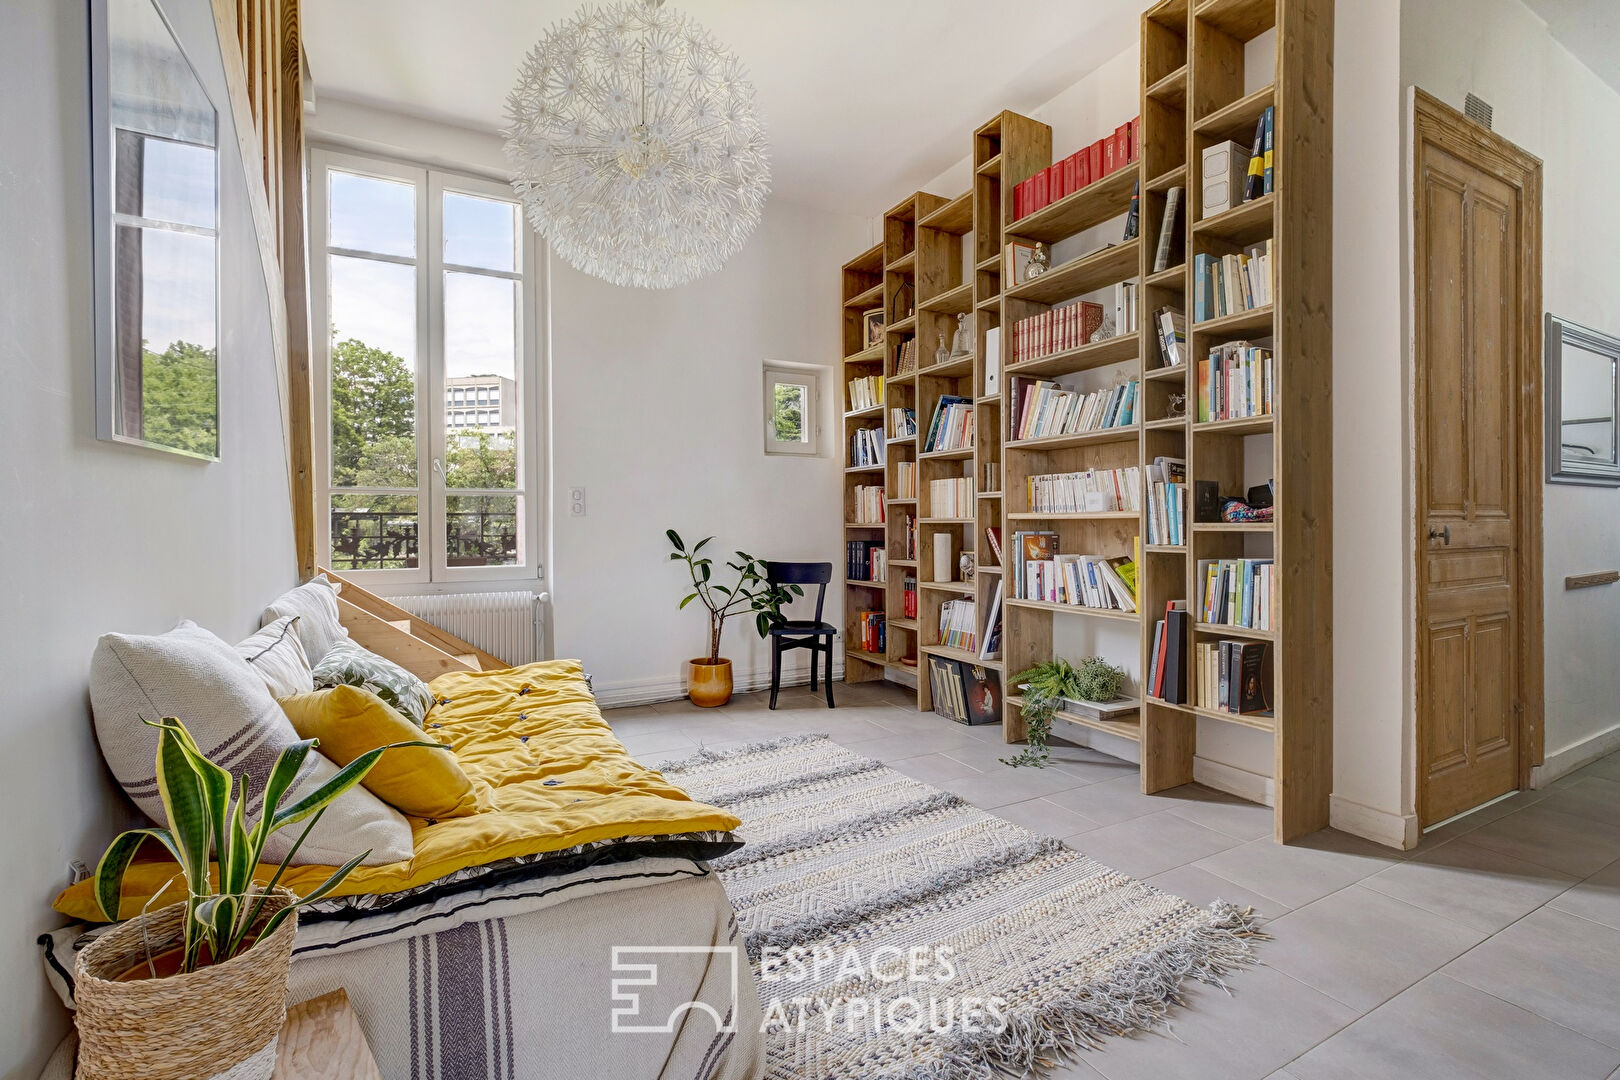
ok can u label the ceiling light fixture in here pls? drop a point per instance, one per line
(636, 148)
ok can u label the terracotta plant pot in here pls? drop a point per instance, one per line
(708, 685)
(220, 1019)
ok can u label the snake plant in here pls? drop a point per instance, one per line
(204, 820)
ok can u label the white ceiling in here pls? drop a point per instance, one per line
(861, 98)
(1588, 28)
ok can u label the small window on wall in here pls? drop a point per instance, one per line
(792, 409)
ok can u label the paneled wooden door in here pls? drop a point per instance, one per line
(1476, 277)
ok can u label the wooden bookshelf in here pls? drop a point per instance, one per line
(946, 254)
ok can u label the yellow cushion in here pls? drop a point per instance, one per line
(557, 779)
(415, 780)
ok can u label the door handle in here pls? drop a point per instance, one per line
(1443, 534)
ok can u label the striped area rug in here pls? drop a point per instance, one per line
(898, 931)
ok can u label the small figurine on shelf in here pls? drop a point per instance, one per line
(967, 564)
(1105, 330)
(1039, 263)
(1177, 407)
(962, 343)
(942, 355)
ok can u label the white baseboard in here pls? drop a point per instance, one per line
(1253, 786)
(626, 692)
(1380, 826)
(1574, 756)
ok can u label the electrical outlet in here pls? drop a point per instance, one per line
(576, 501)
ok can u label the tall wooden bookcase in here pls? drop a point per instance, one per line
(1194, 93)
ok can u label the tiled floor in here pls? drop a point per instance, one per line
(1490, 951)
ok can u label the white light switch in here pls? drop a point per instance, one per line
(576, 501)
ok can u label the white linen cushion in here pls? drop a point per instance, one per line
(278, 656)
(191, 674)
(315, 604)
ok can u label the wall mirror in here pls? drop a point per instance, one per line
(155, 162)
(1583, 399)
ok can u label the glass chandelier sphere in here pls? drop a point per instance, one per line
(635, 146)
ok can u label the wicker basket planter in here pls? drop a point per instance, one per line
(219, 1022)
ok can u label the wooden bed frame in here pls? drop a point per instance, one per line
(394, 633)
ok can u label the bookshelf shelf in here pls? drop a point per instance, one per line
(869, 657)
(865, 525)
(870, 410)
(1243, 224)
(903, 502)
(1192, 93)
(1090, 206)
(865, 355)
(864, 469)
(1077, 276)
(859, 584)
(1096, 354)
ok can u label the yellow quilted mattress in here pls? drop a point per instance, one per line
(557, 778)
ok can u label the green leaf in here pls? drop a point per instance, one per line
(796, 590)
(704, 565)
(216, 784)
(675, 539)
(320, 891)
(701, 543)
(345, 778)
(282, 777)
(185, 804)
(688, 600)
(722, 590)
(242, 855)
(109, 877)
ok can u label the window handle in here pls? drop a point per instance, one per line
(438, 466)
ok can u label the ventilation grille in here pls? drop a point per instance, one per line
(506, 624)
(1477, 110)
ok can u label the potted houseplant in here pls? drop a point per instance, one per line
(709, 677)
(1051, 686)
(199, 988)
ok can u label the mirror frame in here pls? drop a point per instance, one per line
(1557, 332)
(103, 230)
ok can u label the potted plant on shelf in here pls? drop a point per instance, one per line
(1051, 686)
(708, 681)
(199, 988)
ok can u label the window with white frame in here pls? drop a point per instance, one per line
(792, 409)
(425, 282)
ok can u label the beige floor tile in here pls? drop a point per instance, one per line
(933, 768)
(1565, 842)
(1441, 1029)
(1596, 899)
(1306, 870)
(1151, 844)
(1201, 888)
(1470, 884)
(1222, 812)
(1046, 818)
(990, 790)
(1362, 947)
(1111, 801)
(1589, 797)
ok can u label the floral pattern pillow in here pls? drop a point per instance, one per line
(349, 664)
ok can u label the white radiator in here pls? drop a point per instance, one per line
(507, 624)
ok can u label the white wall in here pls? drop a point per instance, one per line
(1551, 104)
(96, 537)
(656, 400)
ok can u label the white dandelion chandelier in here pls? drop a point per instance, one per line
(636, 148)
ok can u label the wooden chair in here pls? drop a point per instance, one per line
(815, 635)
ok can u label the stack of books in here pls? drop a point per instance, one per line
(952, 427)
(908, 596)
(909, 535)
(1095, 581)
(1106, 155)
(902, 423)
(1042, 409)
(869, 632)
(1055, 330)
(1167, 502)
(869, 508)
(1237, 592)
(1257, 181)
(959, 623)
(1091, 492)
(1228, 284)
(951, 498)
(905, 480)
(964, 691)
(865, 392)
(1234, 382)
(1166, 677)
(1171, 328)
(1234, 677)
(866, 447)
(864, 560)
(905, 357)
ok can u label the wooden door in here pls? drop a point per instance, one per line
(1477, 384)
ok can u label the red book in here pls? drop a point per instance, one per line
(1136, 138)
(1110, 159)
(1082, 167)
(1018, 201)
(1158, 669)
(1041, 193)
(1094, 154)
(1071, 175)
(1054, 181)
(1122, 144)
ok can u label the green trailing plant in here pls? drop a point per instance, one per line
(206, 823)
(1045, 686)
(751, 592)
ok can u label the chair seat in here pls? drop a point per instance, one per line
(803, 628)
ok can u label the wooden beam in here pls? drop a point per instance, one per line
(441, 639)
(422, 658)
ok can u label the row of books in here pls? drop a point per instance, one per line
(865, 560)
(1228, 284)
(1171, 248)
(1170, 328)
(905, 480)
(1166, 674)
(1055, 330)
(865, 392)
(1042, 409)
(905, 357)
(866, 447)
(964, 692)
(1167, 501)
(992, 477)
(1237, 592)
(869, 508)
(951, 497)
(902, 423)
(1094, 491)
(1125, 315)
(959, 623)
(952, 427)
(870, 633)
(908, 537)
(908, 596)
(990, 645)
(1233, 677)
(992, 537)
(1234, 382)
(1041, 572)
(1085, 166)
(1257, 181)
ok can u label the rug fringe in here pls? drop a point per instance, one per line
(706, 756)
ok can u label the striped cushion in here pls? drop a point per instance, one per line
(315, 604)
(278, 656)
(191, 674)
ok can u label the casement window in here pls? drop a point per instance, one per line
(792, 409)
(425, 283)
